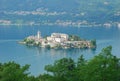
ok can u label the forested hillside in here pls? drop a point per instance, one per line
(85, 12)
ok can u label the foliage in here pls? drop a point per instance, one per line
(28, 41)
(103, 67)
(93, 43)
(62, 69)
(14, 72)
(74, 38)
(48, 46)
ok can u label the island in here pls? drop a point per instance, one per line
(59, 40)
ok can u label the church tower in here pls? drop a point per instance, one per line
(38, 34)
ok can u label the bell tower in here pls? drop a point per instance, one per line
(38, 34)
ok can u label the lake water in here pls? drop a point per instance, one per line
(10, 50)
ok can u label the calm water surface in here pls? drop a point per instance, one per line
(10, 50)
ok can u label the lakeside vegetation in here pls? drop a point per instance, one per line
(102, 67)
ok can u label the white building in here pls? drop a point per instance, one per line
(50, 39)
(59, 40)
(58, 37)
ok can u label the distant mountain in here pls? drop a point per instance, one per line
(98, 11)
(34, 4)
(68, 5)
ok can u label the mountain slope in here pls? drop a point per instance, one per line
(99, 11)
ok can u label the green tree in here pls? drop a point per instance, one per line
(62, 69)
(81, 63)
(93, 43)
(12, 71)
(45, 77)
(74, 38)
(103, 67)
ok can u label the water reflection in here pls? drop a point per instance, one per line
(60, 53)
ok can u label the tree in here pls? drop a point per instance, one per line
(74, 38)
(12, 71)
(45, 77)
(81, 63)
(62, 69)
(103, 67)
(93, 43)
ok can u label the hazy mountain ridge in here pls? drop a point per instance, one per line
(82, 5)
(93, 11)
